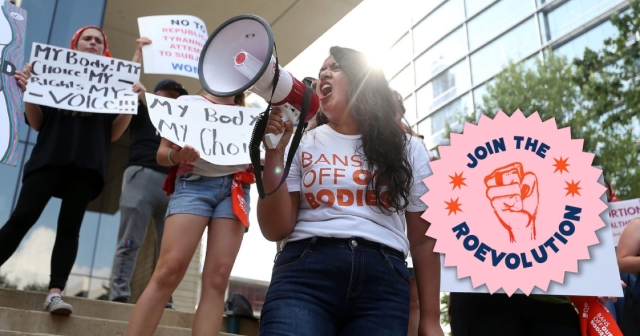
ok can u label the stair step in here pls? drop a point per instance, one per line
(17, 333)
(29, 321)
(106, 310)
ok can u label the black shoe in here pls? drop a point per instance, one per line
(169, 305)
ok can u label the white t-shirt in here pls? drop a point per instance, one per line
(202, 167)
(330, 177)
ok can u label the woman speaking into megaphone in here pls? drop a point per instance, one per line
(353, 185)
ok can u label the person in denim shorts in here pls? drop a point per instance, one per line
(204, 196)
(355, 183)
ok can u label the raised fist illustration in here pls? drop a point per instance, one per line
(514, 197)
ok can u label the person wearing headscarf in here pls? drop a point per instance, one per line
(69, 162)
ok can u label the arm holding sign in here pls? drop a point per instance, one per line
(137, 57)
(170, 154)
(32, 111)
(629, 248)
(23, 77)
(121, 123)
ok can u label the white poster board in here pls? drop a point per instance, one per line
(176, 43)
(597, 276)
(77, 81)
(220, 133)
(620, 213)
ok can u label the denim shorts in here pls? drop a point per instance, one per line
(204, 196)
(333, 286)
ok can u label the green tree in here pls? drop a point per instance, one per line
(551, 89)
(608, 82)
(36, 287)
(6, 283)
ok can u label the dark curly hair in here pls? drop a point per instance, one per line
(384, 144)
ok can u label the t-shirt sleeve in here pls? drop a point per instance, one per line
(295, 173)
(421, 170)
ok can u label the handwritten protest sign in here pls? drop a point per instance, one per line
(13, 27)
(77, 81)
(220, 133)
(620, 213)
(516, 206)
(176, 44)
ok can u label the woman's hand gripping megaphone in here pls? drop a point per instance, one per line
(286, 113)
(279, 128)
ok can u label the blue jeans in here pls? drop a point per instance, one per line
(205, 196)
(330, 286)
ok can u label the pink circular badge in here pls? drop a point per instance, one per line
(514, 203)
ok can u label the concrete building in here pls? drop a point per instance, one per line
(444, 61)
(54, 22)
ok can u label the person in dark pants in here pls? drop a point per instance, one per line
(142, 197)
(69, 161)
(481, 314)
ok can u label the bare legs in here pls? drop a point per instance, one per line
(180, 240)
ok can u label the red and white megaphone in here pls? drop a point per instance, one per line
(238, 57)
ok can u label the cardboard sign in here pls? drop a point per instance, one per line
(220, 133)
(176, 43)
(13, 28)
(620, 213)
(77, 81)
(515, 204)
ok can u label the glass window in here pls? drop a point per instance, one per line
(72, 15)
(444, 87)
(31, 263)
(593, 39)
(399, 55)
(98, 289)
(107, 241)
(404, 82)
(572, 14)
(437, 24)
(515, 45)
(433, 126)
(410, 110)
(479, 93)
(474, 6)
(9, 176)
(88, 235)
(495, 20)
(77, 285)
(420, 8)
(440, 56)
(23, 131)
(39, 17)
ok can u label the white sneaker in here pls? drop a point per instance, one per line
(58, 306)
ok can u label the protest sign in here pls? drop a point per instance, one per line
(13, 27)
(516, 206)
(176, 42)
(77, 81)
(221, 133)
(620, 213)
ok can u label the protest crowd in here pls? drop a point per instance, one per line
(358, 267)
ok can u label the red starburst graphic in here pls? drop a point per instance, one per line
(457, 180)
(573, 188)
(561, 165)
(453, 206)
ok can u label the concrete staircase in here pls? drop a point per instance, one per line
(21, 315)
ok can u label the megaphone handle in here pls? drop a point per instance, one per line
(271, 139)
